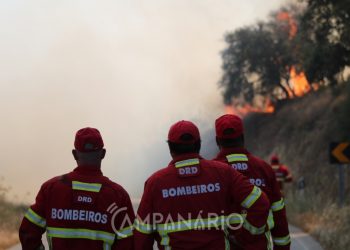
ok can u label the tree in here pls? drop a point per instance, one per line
(313, 39)
(325, 39)
(257, 61)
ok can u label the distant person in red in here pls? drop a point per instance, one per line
(282, 172)
(78, 210)
(230, 140)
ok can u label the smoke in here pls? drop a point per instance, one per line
(129, 68)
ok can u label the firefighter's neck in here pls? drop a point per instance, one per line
(90, 164)
(173, 154)
(181, 155)
(89, 159)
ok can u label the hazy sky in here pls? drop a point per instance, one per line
(130, 68)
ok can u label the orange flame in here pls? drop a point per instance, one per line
(229, 110)
(293, 28)
(299, 83)
(243, 110)
(315, 86)
(269, 108)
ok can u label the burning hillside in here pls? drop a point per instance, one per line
(295, 84)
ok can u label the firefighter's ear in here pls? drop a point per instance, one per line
(74, 153)
(103, 154)
(217, 141)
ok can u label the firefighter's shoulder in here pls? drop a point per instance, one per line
(219, 166)
(261, 164)
(51, 182)
(284, 167)
(159, 175)
(110, 186)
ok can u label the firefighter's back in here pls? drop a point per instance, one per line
(187, 205)
(77, 211)
(198, 196)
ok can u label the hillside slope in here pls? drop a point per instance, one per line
(300, 132)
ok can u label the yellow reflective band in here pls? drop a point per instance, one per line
(269, 240)
(106, 246)
(80, 233)
(270, 220)
(275, 167)
(49, 241)
(185, 163)
(143, 227)
(199, 224)
(234, 218)
(282, 241)
(35, 218)
(278, 205)
(227, 242)
(165, 241)
(236, 157)
(125, 232)
(190, 225)
(254, 230)
(195, 224)
(252, 197)
(90, 187)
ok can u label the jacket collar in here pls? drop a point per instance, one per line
(183, 157)
(227, 151)
(88, 170)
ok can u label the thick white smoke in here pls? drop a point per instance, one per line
(130, 68)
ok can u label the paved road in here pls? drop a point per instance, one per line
(300, 241)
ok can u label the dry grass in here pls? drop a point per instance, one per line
(333, 229)
(8, 239)
(10, 218)
(326, 222)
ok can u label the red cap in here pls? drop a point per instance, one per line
(88, 140)
(274, 159)
(181, 128)
(228, 127)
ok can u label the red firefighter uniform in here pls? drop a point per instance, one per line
(78, 211)
(186, 206)
(262, 175)
(282, 172)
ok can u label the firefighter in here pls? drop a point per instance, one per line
(82, 209)
(230, 140)
(186, 205)
(282, 172)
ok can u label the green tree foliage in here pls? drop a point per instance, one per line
(325, 39)
(257, 61)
